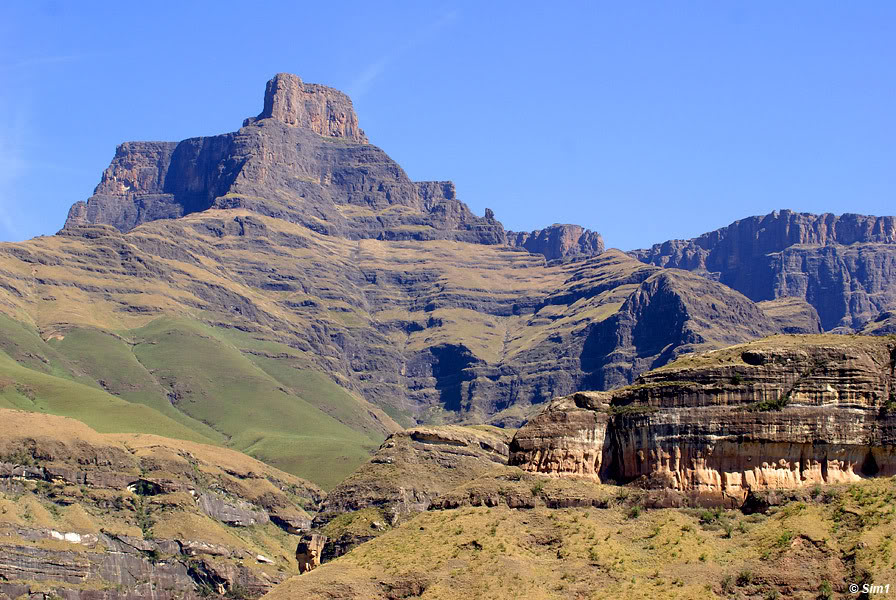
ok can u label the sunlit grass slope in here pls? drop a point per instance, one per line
(213, 382)
(182, 379)
(806, 549)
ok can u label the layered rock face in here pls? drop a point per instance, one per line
(295, 231)
(434, 329)
(558, 241)
(842, 265)
(323, 110)
(303, 158)
(86, 515)
(403, 478)
(783, 412)
(415, 466)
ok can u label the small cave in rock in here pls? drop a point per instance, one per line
(753, 358)
(142, 487)
(870, 467)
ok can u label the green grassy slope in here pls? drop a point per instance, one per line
(109, 360)
(179, 378)
(213, 382)
(28, 389)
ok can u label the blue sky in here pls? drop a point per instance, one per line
(644, 120)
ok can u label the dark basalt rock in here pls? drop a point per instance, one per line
(558, 241)
(303, 159)
(841, 265)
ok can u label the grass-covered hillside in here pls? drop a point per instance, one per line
(306, 350)
(809, 547)
(182, 379)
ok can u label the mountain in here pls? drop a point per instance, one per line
(287, 291)
(843, 266)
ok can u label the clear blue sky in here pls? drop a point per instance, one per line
(642, 120)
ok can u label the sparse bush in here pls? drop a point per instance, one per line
(784, 539)
(728, 527)
(635, 512)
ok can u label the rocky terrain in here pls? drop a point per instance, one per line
(843, 265)
(286, 292)
(87, 515)
(404, 477)
(611, 494)
(780, 413)
(347, 299)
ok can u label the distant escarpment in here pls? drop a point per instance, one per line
(783, 412)
(558, 241)
(85, 515)
(844, 266)
(295, 263)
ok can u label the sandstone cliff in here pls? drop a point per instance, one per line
(783, 412)
(842, 265)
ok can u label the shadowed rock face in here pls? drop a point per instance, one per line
(842, 265)
(779, 413)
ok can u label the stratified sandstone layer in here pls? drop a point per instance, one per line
(783, 412)
(843, 265)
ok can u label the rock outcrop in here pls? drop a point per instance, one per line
(86, 515)
(414, 466)
(842, 265)
(558, 241)
(309, 551)
(408, 472)
(782, 412)
(323, 110)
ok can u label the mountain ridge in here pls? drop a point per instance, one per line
(840, 264)
(310, 262)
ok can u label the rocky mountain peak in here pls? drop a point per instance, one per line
(321, 109)
(558, 241)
